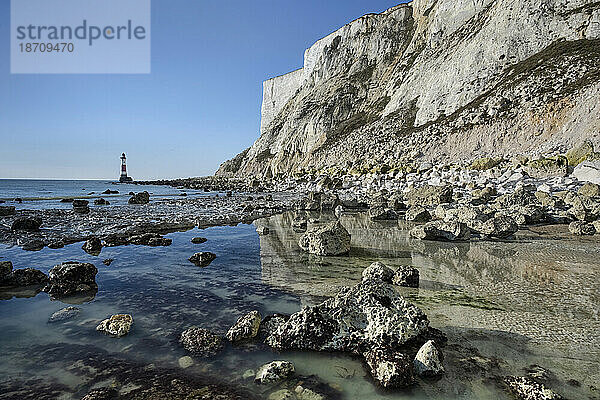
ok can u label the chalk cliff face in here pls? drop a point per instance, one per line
(435, 80)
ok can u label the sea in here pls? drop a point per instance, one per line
(44, 194)
(508, 307)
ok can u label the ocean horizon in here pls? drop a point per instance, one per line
(48, 193)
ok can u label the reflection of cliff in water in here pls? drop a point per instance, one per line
(477, 265)
(537, 272)
(523, 287)
(286, 266)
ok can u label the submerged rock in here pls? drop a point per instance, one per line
(6, 211)
(199, 240)
(329, 240)
(92, 246)
(81, 206)
(70, 278)
(442, 231)
(6, 268)
(378, 271)
(107, 262)
(527, 389)
(185, 362)
(201, 342)
(203, 259)
(102, 394)
(428, 361)
(132, 380)
(140, 198)
(79, 203)
(245, 328)
(81, 210)
(283, 394)
(539, 373)
(26, 224)
(370, 314)
(274, 372)
(117, 325)
(406, 276)
(389, 368)
(65, 314)
(249, 373)
(304, 393)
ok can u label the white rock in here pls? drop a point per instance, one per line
(331, 239)
(378, 271)
(185, 362)
(428, 361)
(588, 172)
(274, 372)
(544, 188)
(245, 328)
(282, 394)
(117, 325)
(248, 374)
(303, 393)
(516, 177)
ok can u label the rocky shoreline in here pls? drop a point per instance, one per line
(120, 225)
(484, 201)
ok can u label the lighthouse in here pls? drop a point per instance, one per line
(124, 177)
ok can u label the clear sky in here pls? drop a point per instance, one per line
(198, 107)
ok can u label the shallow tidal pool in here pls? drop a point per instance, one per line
(506, 307)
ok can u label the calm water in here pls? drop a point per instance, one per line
(41, 194)
(504, 306)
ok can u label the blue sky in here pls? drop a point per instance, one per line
(198, 107)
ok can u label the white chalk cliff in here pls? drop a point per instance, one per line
(435, 80)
